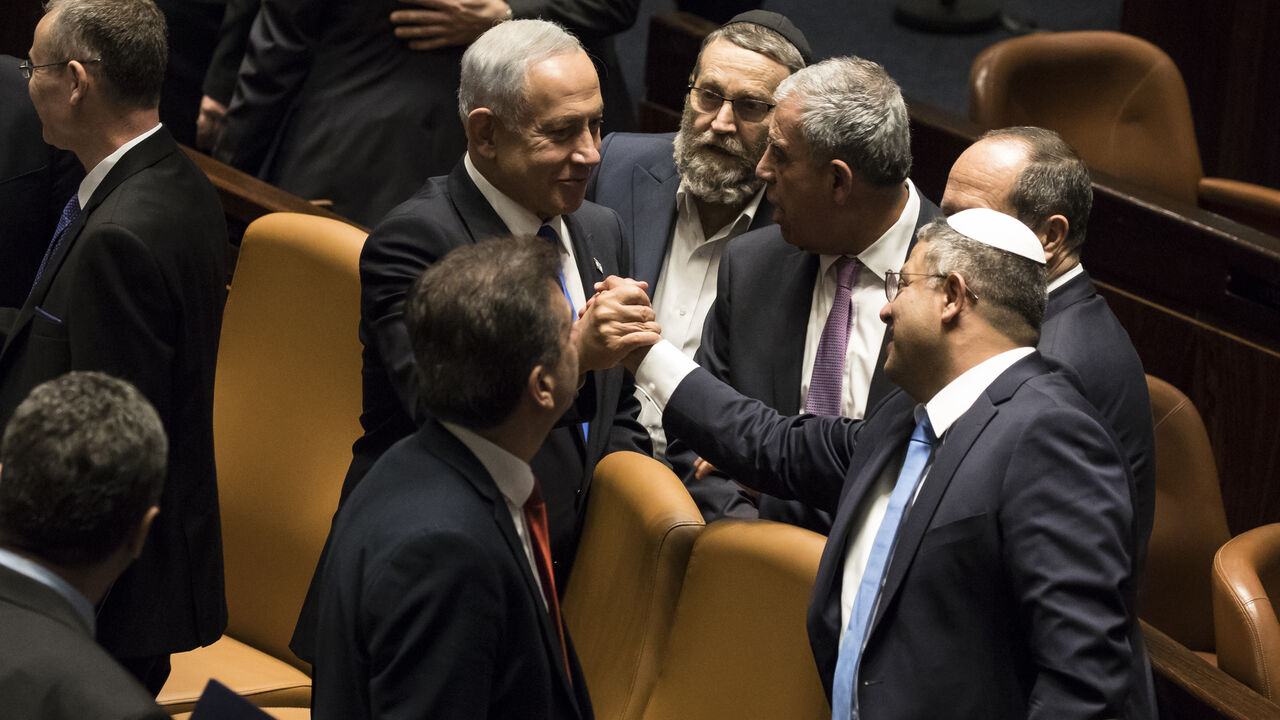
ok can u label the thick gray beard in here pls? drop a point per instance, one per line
(705, 175)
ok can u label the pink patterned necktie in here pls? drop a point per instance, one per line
(826, 384)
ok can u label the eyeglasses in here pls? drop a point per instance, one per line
(894, 284)
(27, 69)
(744, 108)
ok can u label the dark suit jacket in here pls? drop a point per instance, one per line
(36, 180)
(50, 666)
(754, 341)
(447, 213)
(637, 178)
(135, 290)
(430, 608)
(1081, 331)
(1010, 592)
(330, 104)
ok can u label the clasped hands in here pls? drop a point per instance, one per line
(617, 325)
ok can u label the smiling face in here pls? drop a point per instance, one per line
(914, 327)
(545, 163)
(717, 152)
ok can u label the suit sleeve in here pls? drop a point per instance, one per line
(716, 495)
(398, 251)
(276, 62)
(123, 316)
(588, 19)
(804, 457)
(433, 619)
(1067, 519)
(626, 432)
(233, 41)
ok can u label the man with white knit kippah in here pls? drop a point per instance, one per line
(981, 563)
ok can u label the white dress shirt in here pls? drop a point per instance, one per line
(943, 409)
(1064, 278)
(888, 252)
(687, 288)
(514, 479)
(520, 221)
(99, 172)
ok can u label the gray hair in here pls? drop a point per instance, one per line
(495, 68)
(83, 459)
(1055, 181)
(851, 110)
(129, 36)
(1010, 288)
(757, 39)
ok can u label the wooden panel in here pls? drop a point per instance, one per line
(1189, 688)
(675, 39)
(245, 198)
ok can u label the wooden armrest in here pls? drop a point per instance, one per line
(1189, 687)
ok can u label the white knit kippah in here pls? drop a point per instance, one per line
(998, 230)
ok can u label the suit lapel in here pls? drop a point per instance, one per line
(477, 214)
(442, 444)
(653, 217)
(956, 444)
(142, 156)
(788, 332)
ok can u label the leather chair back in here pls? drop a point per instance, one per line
(1246, 576)
(1117, 99)
(638, 532)
(738, 646)
(1190, 523)
(287, 400)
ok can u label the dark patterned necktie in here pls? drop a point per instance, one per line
(69, 215)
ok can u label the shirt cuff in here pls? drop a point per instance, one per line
(661, 372)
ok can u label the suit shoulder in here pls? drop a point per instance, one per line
(598, 218)
(761, 245)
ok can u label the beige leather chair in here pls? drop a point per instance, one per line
(739, 649)
(1246, 575)
(286, 410)
(1190, 524)
(638, 532)
(1121, 103)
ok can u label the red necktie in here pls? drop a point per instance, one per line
(535, 514)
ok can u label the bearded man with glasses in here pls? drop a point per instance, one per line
(683, 196)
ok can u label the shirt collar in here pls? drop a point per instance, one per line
(512, 475)
(959, 395)
(94, 178)
(53, 581)
(889, 251)
(1065, 277)
(518, 219)
(685, 205)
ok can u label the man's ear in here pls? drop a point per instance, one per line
(1053, 233)
(79, 81)
(139, 537)
(482, 126)
(956, 296)
(842, 181)
(541, 387)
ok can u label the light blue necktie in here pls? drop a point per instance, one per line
(549, 234)
(843, 689)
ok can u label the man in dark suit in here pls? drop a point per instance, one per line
(81, 470)
(331, 105)
(683, 196)
(525, 172)
(132, 284)
(439, 601)
(36, 179)
(838, 179)
(1033, 175)
(985, 568)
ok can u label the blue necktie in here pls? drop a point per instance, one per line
(69, 215)
(843, 690)
(549, 234)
